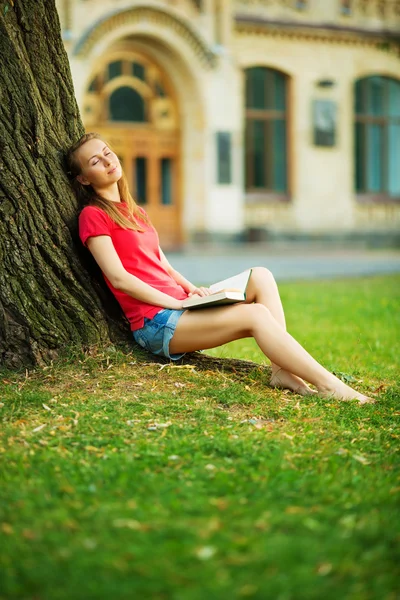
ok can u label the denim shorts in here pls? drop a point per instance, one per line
(156, 333)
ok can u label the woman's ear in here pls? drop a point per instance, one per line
(83, 180)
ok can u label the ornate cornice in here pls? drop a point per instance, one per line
(246, 24)
(154, 15)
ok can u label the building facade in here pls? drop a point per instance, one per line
(246, 118)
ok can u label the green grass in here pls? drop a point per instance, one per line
(124, 479)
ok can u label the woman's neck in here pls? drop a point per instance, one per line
(110, 193)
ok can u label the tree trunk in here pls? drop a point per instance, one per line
(48, 299)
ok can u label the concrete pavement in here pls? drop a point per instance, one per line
(205, 264)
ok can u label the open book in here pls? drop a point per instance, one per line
(228, 291)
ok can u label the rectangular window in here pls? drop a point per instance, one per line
(377, 136)
(166, 181)
(360, 145)
(280, 92)
(138, 71)
(394, 160)
(140, 170)
(256, 89)
(375, 96)
(374, 158)
(394, 98)
(224, 157)
(279, 144)
(114, 69)
(266, 154)
(266, 135)
(269, 153)
(259, 174)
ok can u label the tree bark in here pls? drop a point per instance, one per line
(52, 294)
(48, 298)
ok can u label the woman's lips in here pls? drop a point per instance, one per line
(112, 170)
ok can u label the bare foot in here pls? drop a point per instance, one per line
(284, 380)
(341, 391)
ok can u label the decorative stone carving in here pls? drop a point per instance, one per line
(152, 15)
(385, 10)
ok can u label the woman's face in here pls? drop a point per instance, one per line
(100, 167)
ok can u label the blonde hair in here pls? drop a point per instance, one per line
(87, 195)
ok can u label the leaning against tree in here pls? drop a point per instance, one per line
(150, 291)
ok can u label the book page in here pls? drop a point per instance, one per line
(215, 299)
(237, 282)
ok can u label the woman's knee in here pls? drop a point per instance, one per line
(254, 315)
(262, 274)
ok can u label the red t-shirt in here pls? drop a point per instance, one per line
(140, 255)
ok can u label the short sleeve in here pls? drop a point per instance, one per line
(92, 222)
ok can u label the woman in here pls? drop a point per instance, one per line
(125, 245)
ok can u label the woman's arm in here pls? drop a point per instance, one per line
(190, 288)
(105, 255)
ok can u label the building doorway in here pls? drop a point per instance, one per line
(131, 103)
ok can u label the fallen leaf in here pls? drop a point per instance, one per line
(220, 503)
(341, 451)
(294, 510)
(93, 449)
(162, 425)
(28, 534)
(324, 569)
(38, 428)
(205, 552)
(128, 524)
(7, 528)
(248, 590)
(89, 544)
(361, 459)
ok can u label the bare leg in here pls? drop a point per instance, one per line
(262, 289)
(201, 329)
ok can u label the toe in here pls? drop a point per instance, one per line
(367, 400)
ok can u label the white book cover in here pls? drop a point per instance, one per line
(228, 291)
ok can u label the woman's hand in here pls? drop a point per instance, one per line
(200, 291)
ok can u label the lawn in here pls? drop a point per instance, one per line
(127, 479)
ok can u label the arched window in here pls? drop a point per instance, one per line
(125, 104)
(377, 136)
(266, 125)
(114, 69)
